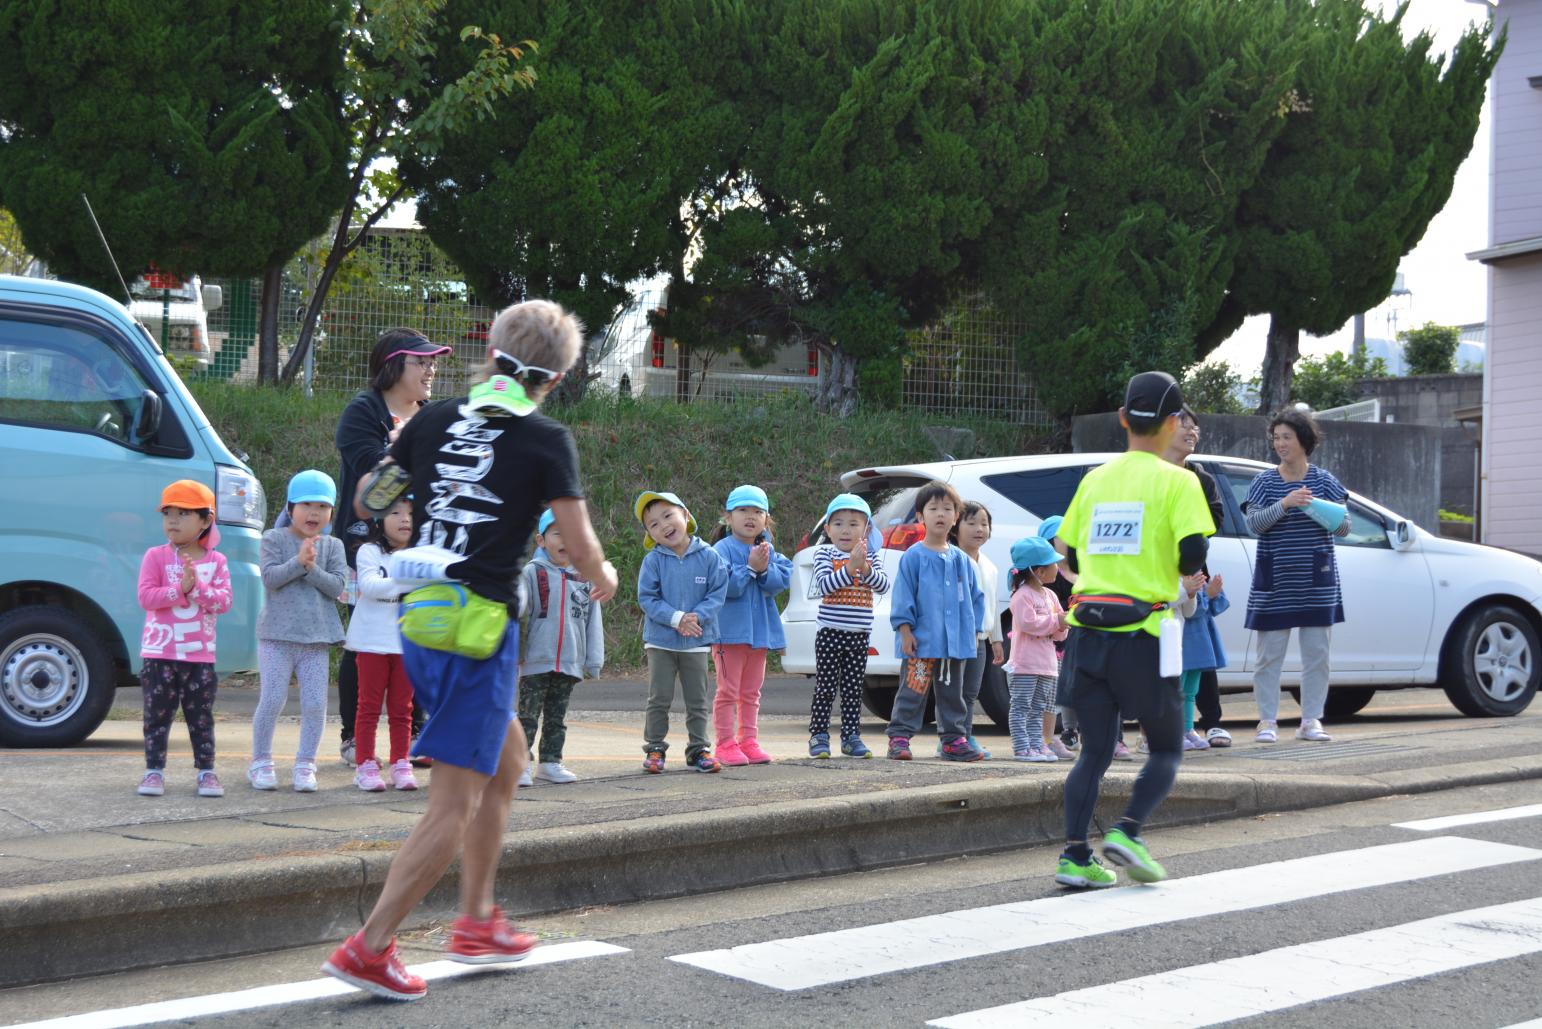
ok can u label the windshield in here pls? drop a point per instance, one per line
(155, 285)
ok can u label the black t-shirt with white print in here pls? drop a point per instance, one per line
(479, 484)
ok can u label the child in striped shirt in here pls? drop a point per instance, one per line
(848, 571)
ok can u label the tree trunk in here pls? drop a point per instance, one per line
(267, 324)
(838, 392)
(1280, 355)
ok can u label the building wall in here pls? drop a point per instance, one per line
(1433, 400)
(1515, 201)
(1397, 466)
(1512, 510)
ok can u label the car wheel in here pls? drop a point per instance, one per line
(878, 697)
(995, 696)
(56, 679)
(1494, 663)
(1342, 701)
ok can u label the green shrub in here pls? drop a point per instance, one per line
(700, 451)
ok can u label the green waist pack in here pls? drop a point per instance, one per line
(448, 616)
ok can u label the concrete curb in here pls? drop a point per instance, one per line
(114, 923)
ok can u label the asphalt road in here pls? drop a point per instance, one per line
(1437, 928)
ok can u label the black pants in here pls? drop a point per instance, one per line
(166, 685)
(1208, 703)
(840, 665)
(1117, 672)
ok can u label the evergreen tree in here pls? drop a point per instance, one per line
(1430, 349)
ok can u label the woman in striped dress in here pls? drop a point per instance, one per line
(1295, 574)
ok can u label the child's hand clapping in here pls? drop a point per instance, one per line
(308, 553)
(760, 558)
(690, 625)
(1192, 584)
(857, 563)
(1065, 619)
(189, 577)
(1213, 587)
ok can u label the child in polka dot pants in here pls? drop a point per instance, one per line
(848, 571)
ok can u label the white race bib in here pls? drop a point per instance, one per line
(1116, 528)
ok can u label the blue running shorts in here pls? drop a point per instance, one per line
(470, 703)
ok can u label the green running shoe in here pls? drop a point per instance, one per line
(1092, 874)
(1131, 854)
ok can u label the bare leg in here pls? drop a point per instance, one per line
(424, 858)
(484, 836)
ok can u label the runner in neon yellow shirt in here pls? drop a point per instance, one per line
(1136, 525)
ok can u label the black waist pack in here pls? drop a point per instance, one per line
(1112, 610)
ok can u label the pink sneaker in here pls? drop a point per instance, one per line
(1122, 753)
(402, 777)
(728, 753)
(752, 752)
(1060, 750)
(367, 778)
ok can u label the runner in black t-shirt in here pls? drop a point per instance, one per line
(483, 467)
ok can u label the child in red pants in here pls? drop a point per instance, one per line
(749, 626)
(374, 637)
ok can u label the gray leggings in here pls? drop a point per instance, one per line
(1314, 641)
(278, 662)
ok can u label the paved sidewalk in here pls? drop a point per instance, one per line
(88, 869)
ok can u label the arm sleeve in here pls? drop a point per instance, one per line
(1191, 553)
(739, 575)
(374, 582)
(902, 605)
(559, 476)
(594, 651)
(1262, 519)
(359, 440)
(1188, 603)
(992, 612)
(214, 596)
(330, 575)
(650, 594)
(1033, 622)
(778, 575)
(976, 594)
(717, 592)
(1344, 527)
(876, 578)
(527, 589)
(153, 597)
(828, 578)
(277, 572)
(1219, 604)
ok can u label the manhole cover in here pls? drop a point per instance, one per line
(1324, 751)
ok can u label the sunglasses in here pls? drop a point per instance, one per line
(514, 367)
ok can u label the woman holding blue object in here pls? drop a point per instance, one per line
(1296, 510)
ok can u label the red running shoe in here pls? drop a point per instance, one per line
(381, 974)
(493, 942)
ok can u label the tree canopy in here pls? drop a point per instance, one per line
(1430, 349)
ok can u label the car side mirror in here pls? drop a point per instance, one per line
(1402, 535)
(149, 421)
(213, 298)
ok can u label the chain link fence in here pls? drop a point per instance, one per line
(964, 364)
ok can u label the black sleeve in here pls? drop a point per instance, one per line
(1070, 559)
(1212, 491)
(1191, 554)
(559, 474)
(360, 438)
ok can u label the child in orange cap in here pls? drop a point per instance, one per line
(183, 585)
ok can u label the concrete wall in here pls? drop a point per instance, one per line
(1397, 466)
(1433, 400)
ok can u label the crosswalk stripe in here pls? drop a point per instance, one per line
(1205, 995)
(293, 993)
(801, 962)
(1472, 818)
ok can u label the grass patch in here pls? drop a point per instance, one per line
(700, 451)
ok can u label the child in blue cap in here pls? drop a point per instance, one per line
(750, 626)
(848, 573)
(681, 587)
(563, 641)
(304, 571)
(1038, 622)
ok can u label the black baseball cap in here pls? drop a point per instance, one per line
(1152, 396)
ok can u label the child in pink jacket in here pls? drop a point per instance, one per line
(183, 585)
(1033, 670)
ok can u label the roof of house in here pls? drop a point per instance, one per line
(1504, 251)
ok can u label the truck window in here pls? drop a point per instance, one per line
(63, 377)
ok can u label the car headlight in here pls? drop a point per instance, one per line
(180, 336)
(239, 497)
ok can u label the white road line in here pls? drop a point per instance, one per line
(1204, 995)
(1473, 818)
(1535, 1023)
(801, 962)
(293, 993)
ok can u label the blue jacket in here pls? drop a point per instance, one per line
(750, 615)
(1201, 640)
(938, 596)
(668, 585)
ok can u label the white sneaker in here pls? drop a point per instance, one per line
(262, 776)
(1268, 732)
(1311, 729)
(552, 771)
(305, 777)
(524, 777)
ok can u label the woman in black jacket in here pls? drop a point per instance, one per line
(401, 380)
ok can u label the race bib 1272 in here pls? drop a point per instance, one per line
(1116, 528)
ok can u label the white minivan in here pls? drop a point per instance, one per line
(1421, 610)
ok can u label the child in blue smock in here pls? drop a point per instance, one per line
(1202, 651)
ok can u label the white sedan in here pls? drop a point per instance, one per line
(1421, 610)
